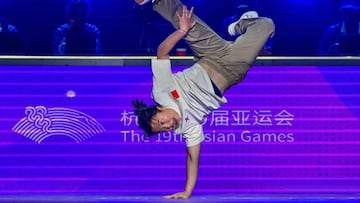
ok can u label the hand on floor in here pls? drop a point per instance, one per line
(179, 195)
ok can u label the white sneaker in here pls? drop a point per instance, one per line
(249, 15)
(246, 15)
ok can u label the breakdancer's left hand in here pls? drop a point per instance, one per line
(179, 195)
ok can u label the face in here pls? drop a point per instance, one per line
(351, 15)
(165, 120)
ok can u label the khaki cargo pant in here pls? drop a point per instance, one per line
(231, 59)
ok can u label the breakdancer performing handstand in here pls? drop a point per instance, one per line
(183, 100)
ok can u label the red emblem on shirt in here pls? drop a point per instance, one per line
(175, 94)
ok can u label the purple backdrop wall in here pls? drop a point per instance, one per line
(284, 129)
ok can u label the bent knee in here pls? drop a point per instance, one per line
(268, 25)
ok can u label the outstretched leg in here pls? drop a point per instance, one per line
(201, 38)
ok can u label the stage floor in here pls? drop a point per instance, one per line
(221, 198)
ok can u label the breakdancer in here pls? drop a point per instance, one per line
(183, 100)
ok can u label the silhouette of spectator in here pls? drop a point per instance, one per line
(77, 37)
(343, 38)
(10, 42)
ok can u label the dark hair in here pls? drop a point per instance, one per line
(144, 114)
(78, 8)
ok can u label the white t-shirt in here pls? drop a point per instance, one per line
(190, 93)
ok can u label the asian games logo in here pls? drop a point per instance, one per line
(40, 123)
